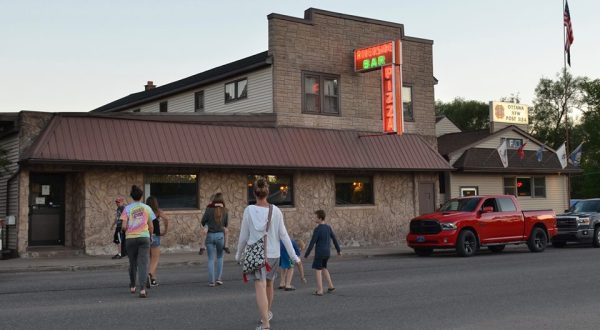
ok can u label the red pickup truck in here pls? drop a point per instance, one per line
(468, 223)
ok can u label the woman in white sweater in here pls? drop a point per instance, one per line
(254, 226)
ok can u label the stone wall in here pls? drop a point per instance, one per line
(30, 126)
(324, 42)
(23, 218)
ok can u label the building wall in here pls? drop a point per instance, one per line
(325, 44)
(490, 184)
(385, 223)
(259, 100)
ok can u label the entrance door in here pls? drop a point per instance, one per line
(426, 198)
(46, 209)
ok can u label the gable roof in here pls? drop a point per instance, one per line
(92, 140)
(488, 160)
(219, 73)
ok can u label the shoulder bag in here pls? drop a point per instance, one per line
(254, 256)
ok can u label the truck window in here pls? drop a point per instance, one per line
(490, 202)
(460, 204)
(506, 204)
(586, 206)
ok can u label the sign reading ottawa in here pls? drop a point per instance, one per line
(386, 57)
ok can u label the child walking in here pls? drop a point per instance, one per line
(321, 240)
(286, 264)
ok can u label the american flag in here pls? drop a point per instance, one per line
(569, 39)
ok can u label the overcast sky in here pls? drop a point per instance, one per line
(78, 55)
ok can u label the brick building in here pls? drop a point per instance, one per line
(298, 113)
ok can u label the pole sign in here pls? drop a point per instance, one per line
(386, 57)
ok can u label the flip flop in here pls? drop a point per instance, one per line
(330, 290)
(316, 293)
(281, 287)
(291, 288)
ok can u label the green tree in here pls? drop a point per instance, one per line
(555, 100)
(468, 115)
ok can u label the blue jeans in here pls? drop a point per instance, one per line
(214, 247)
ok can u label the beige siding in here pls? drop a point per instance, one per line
(489, 184)
(9, 144)
(259, 100)
(445, 126)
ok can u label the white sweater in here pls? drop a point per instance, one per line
(254, 224)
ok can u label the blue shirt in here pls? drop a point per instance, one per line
(321, 240)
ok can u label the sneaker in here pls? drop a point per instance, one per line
(201, 252)
(117, 256)
(211, 284)
(226, 249)
(219, 282)
(153, 282)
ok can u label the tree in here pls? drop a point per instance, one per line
(555, 100)
(467, 115)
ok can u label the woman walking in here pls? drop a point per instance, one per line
(157, 222)
(137, 224)
(258, 220)
(216, 219)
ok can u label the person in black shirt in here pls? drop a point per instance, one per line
(321, 240)
(119, 235)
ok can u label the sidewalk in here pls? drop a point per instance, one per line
(77, 263)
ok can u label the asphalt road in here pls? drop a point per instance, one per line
(512, 290)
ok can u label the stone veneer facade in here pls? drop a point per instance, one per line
(324, 42)
(91, 194)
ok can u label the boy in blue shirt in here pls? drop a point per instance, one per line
(321, 240)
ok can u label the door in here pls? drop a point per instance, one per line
(426, 198)
(503, 224)
(46, 209)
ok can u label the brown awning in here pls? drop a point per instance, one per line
(93, 140)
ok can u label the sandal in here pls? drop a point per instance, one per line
(143, 294)
(281, 287)
(226, 249)
(201, 252)
(291, 288)
(330, 290)
(152, 281)
(316, 293)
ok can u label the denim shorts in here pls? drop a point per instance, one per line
(155, 241)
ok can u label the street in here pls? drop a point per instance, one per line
(515, 289)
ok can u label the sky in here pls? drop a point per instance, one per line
(78, 55)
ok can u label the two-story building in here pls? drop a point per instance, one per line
(300, 113)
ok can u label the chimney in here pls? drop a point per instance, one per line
(149, 85)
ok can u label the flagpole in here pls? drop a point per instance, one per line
(564, 38)
(565, 104)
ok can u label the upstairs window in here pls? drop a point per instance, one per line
(199, 101)
(407, 105)
(514, 143)
(236, 90)
(320, 93)
(164, 106)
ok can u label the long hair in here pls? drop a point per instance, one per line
(153, 203)
(219, 205)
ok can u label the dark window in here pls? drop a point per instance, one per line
(407, 105)
(281, 192)
(490, 202)
(461, 204)
(320, 93)
(351, 190)
(539, 186)
(442, 180)
(173, 191)
(506, 204)
(199, 101)
(525, 186)
(510, 187)
(236, 90)
(164, 106)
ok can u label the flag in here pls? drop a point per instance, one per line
(502, 152)
(561, 153)
(521, 151)
(575, 156)
(569, 37)
(540, 153)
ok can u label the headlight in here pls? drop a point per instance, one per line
(448, 226)
(583, 221)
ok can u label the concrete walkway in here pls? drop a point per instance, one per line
(76, 263)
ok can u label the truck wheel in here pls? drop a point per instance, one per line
(596, 241)
(496, 248)
(537, 240)
(423, 252)
(466, 244)
(559, 244)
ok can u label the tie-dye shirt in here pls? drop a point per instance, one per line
(136, 216)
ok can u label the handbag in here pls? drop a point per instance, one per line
(254, 256)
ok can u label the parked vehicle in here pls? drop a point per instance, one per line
(466, 224)
(580, 223)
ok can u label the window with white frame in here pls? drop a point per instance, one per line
(236, 90)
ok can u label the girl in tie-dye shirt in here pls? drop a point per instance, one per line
(137, 224)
